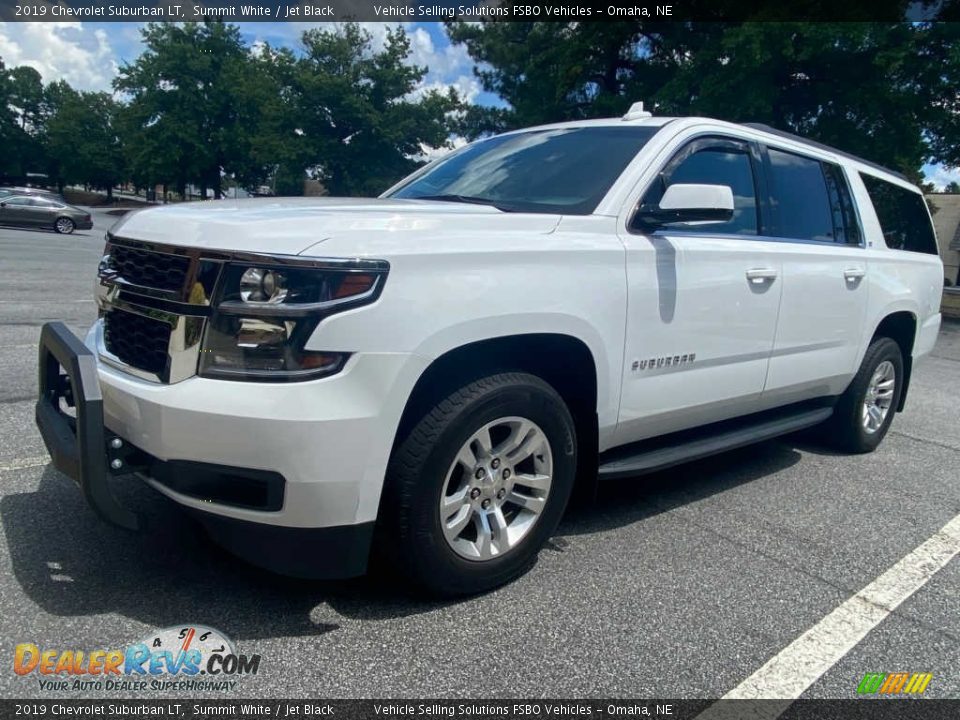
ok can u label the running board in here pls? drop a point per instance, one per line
(669, 450)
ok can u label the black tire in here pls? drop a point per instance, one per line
(409, 534)
(64, 225)
(845, 430)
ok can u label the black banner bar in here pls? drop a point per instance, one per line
(500, 10)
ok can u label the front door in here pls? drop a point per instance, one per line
(703, 302)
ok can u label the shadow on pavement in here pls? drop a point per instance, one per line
(47, 231)
(631, 500)
(71, 564)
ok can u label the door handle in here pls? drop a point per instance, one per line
(851, 274)
(759, 276)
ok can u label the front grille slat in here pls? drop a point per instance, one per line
(159, 271)
(137, 340)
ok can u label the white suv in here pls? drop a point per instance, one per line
(430, 372)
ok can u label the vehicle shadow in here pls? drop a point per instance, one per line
(46, 231)
(631, 500)
(70, 564)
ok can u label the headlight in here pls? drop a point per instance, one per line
(259, 285)
(264, 314)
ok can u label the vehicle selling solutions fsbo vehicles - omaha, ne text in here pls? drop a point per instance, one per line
(428, 373)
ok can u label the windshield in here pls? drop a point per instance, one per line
(566, 170)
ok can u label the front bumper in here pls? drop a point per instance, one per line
(77, 444)
(329, 440)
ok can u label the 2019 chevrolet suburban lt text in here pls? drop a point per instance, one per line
(429, 372)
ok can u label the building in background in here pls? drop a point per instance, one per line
(946, 219)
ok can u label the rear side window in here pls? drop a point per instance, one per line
(903, 216)
(800, 199)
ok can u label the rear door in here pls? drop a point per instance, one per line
(824, 297)
(702, 300)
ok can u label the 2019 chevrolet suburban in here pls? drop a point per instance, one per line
(429, 372)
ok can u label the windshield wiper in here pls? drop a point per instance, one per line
(466, 199)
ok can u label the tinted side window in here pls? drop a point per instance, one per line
(800, 198)
(903, 216)
(715, 166)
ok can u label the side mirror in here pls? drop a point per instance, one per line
(688, 203)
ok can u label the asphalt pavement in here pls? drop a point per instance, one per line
(678, 585)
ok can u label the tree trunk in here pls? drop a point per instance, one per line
(164, 193)
(110, 192)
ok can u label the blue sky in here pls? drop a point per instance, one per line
(88, 54)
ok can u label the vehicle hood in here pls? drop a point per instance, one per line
(289, 226)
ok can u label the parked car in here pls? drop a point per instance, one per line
(49, 194)
(39, 211)
(430, 372)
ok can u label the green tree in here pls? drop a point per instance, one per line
(185, 93)
(886, 91)
(83, 135)
(359, 118)
(25, 103)
(9, 132)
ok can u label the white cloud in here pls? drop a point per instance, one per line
(442, 62)
(447, 66)
(941, 176)
(60, 50)
(467, 87)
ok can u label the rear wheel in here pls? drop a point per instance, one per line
(865, 411)
(478, 485)
(64, 226)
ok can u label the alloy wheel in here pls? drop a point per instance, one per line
(496, 488)
(879, 396)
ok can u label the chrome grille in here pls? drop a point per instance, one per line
(137, 340)
(148, 269)
(154, 303)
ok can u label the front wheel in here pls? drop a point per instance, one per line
(64, 226)
(865, 411)
(479, 485)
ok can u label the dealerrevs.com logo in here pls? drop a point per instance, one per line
(189, 658)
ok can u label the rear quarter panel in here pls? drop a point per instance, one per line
(899, 280)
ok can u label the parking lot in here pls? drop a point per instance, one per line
(677, 585)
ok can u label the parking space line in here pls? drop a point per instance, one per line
(24, 463)
(801, 663)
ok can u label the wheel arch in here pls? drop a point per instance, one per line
(901, 326)
(562, 360)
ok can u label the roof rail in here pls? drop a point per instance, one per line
(821, 146)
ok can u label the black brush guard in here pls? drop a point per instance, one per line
(78, 446)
